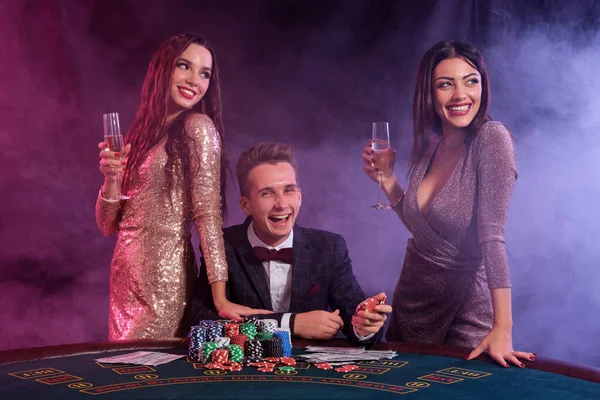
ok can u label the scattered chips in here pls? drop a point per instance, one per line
(324, 366)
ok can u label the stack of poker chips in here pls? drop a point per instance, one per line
(214, 330)
(263, 335)
(236, 353)
(220, 356)
(197, 339)
(222, 342)
(249, 330)
(273, 347)
(207, 349)
(254, 340)
(268, 325)
(286, 341)
(254, 351)
(240, 340)
(231, 329)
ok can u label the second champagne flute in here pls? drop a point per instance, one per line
(380, 143)
(112, 136)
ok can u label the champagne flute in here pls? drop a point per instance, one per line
(112, 136)
(381, 146)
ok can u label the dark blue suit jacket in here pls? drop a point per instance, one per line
(322, 277)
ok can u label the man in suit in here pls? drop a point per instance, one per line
(296, 272)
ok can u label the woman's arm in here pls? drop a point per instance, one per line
(496, 176)
(108, 209)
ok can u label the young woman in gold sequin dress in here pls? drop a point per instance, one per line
(175, 176)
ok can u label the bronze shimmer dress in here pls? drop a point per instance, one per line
(457, 253)
(153, 267)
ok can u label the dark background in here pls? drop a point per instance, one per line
(314, 74)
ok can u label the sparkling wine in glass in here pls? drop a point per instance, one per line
(112, 136)
(380, 143)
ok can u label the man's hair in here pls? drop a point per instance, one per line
(263, 153)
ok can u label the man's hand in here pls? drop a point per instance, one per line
(367, 322)
(318, 324)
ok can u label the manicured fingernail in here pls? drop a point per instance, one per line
(532, 358)
(123, 163)
(467, 358)
(522, 365)
(505, 365)
(117, 154)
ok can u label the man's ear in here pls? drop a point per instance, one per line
(245, 206)
(299, 197)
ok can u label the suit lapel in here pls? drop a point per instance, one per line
(301, 277)
(254, 270)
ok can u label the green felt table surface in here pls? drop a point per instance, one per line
(409, 375)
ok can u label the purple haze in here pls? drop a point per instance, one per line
(315, 77)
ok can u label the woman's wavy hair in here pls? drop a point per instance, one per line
(150, 127)
(425, 119)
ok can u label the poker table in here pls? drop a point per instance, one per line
(417, 372)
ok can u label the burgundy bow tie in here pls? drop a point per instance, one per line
(285, 255)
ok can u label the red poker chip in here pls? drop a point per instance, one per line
(344, 369)
(368, 305)
(231, 368)
(232, 364)
(351, 367)
(213, 366)
(324, 366)
(287, 361)
(262, 364)
(265, 369)
(272, 359)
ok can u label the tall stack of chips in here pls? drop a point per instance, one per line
(231, 329)
(214, 330)
(249, 330)
(236, 352)
(273, 347)
(240, 340)
(286, 341)
(254, 350)
(197, 339)
(207, 350)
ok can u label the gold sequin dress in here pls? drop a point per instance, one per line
(153, 267)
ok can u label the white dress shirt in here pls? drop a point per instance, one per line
(279, 278)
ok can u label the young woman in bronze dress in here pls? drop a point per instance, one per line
(454, 287)
(174, 176)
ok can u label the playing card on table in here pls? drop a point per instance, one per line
(337, 350)
(151, 358)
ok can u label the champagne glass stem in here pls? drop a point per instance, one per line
(379, 176)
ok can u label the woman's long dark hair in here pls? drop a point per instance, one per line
(149, 126)
(425, 119)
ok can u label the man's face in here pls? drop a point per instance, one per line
(273, 200)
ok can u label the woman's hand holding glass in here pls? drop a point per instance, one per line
(368, 157)
(112, 165)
